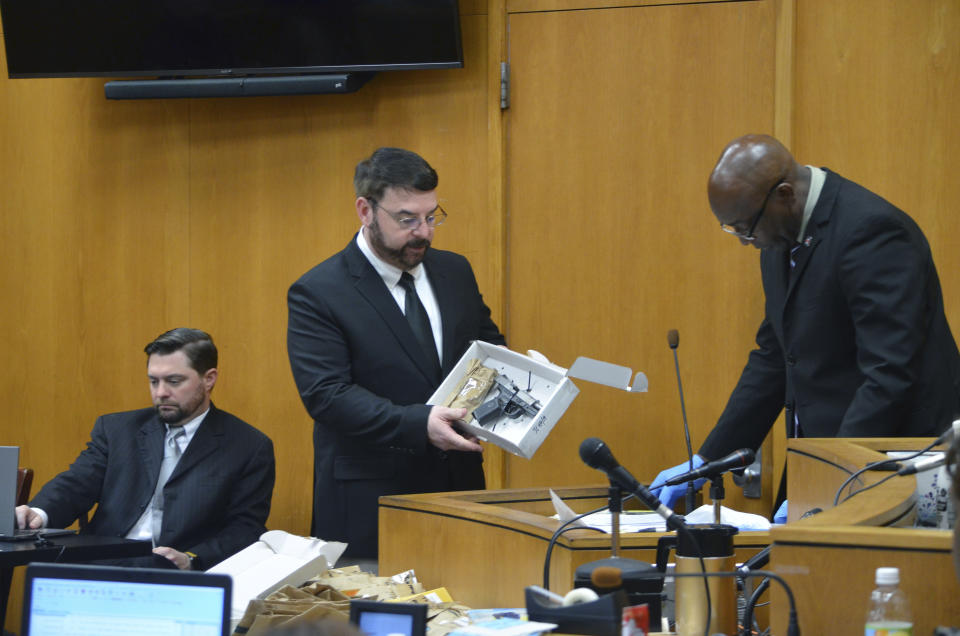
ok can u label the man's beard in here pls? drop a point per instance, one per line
(396, 256)
(179, 413)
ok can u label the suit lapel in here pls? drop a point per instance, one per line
(372, 288)
(150, 445)
(816, 229)
(206, 441)
(800, 258)
(444, 290)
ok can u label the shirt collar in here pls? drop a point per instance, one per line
(191, 427)
(389, 273)
(817, 177)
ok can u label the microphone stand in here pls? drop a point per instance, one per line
(690, 496)
(716, 493)
(615, 504)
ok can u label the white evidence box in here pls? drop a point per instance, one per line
(535, 378)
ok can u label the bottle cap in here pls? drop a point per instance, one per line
(888, 576)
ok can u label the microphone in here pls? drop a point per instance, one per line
(928, 463)
(673, 339)
(595, 454)
(736, 459)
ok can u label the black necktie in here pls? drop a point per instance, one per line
(419, 321)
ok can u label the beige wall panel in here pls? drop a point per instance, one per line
(878, 84)
(272, 195)
(616, 119)
(123, 219)
(95, 234)
(93, 218)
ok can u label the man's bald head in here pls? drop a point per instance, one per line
(756, 175)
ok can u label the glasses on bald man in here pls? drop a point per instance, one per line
(748, 235)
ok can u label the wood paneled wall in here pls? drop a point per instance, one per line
(124, 219)
(121, 220)
(616, 119)
(878, 85)
(582, 209)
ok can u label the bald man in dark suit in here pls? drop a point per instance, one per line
(854, 340)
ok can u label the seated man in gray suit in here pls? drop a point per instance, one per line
(195, 480)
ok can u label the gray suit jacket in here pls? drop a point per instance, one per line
(216, 501)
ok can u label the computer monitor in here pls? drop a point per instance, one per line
(375, 618)
(102, 600)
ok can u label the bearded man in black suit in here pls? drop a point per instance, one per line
(365, 366)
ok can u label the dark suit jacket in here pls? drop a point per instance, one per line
(364, 380)
(854, 339)
(216, 501)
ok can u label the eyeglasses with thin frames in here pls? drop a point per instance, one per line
(411, 222)
(748, 236)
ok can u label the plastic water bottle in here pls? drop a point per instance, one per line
(889, 613)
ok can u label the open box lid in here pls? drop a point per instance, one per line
(608, 374)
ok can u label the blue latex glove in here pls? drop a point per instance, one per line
(670, 494)
(780, 516)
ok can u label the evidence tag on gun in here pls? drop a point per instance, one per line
(510, 401)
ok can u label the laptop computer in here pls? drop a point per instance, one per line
(94, 599)
(9, 462)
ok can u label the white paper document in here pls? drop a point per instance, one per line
(742, 520)
(504, 627)
(630, 521)
(648, 521)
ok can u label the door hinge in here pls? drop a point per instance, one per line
(504, 85)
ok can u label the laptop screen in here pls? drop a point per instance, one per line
(98, 600)
(9, 459)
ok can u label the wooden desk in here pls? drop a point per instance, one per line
(65, 549)
(485, 547)
(829, 559)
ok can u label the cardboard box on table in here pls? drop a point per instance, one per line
(548, 383)
(277, 559)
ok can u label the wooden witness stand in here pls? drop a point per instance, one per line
(829, 559)
(485, 547)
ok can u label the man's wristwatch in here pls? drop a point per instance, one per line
(194, 560)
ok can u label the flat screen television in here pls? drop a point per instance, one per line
(227, 38)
